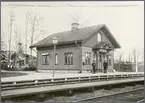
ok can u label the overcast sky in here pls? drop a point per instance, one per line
(124, 19)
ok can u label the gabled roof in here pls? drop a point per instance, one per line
(102, 45)
(71, 36)
(99, 45)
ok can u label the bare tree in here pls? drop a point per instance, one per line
(16, 39)
(3, 41)
(26, 32)
(35, 23)
(135, 55)
(120, 56)
(130, 57)
(120, 59)
(76, 17)
(20, 48)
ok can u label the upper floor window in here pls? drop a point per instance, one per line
(88, 58)
(68, 58)
(45, 58)
(99, 37)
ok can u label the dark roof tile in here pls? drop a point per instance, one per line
(69, 36)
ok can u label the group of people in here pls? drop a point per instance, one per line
(105, 66)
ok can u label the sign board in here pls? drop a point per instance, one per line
(102, 50)
(45, 54)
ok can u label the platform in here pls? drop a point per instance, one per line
(44, 89)
(48, 75)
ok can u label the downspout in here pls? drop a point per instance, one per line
(36, 60)
(80, 55)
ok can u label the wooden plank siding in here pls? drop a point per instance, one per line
(60, 50)
(78, 51)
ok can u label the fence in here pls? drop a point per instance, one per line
(10, 85)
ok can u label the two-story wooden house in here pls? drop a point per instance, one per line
(77, 48)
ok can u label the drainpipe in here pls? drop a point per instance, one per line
(81, 55)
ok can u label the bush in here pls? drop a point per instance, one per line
(4, 66)
(124, 67)
(29, 69)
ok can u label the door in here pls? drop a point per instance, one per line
(101, 58)
(99, 61)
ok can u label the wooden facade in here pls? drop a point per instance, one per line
(78, 55)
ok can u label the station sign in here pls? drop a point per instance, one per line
(45, 54)
(102, 50)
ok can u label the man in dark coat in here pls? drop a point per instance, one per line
(105, 64)
(93, 66)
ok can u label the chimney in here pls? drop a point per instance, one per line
(74, 26)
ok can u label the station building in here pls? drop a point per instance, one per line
(77, 48)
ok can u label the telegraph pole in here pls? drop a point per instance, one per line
(136, 66)
(26, 37)
(11, 24)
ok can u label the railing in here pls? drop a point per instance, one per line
(68, 80)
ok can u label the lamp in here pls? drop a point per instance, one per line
(54, 40)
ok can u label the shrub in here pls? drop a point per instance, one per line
(29, 69)
(124, 67)
(4, 66)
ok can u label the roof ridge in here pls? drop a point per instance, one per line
(69, 31)
(77, 30)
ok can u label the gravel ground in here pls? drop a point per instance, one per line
(132, 97)
(129, 97)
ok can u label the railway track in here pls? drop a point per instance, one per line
(141, 101)
(68, 80)
(111, 94)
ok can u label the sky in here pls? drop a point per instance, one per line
(124, 19)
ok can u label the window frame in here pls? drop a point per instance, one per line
(99, 37)
(88, 58)
(44, 56)
(109, 60)
(56, 59)
(68, 58)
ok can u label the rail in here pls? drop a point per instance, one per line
(68, 80)
(111, 94)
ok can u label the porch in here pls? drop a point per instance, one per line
(102, 52)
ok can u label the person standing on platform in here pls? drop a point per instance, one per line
(105, 64)
(93, 66)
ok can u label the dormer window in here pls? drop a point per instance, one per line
(99, 37)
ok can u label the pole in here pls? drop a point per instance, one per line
(54, 59)
(26, 39)
(10, 40)
(136, 62)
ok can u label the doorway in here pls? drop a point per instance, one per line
(101, 58)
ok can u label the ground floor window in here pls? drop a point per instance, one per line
(45, 58)
(56, 58)
(88, 58)
(109, 59)
(68, 58)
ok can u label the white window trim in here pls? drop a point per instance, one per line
(56, 58)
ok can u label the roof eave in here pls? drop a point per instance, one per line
(60, 43)
(118, 45)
